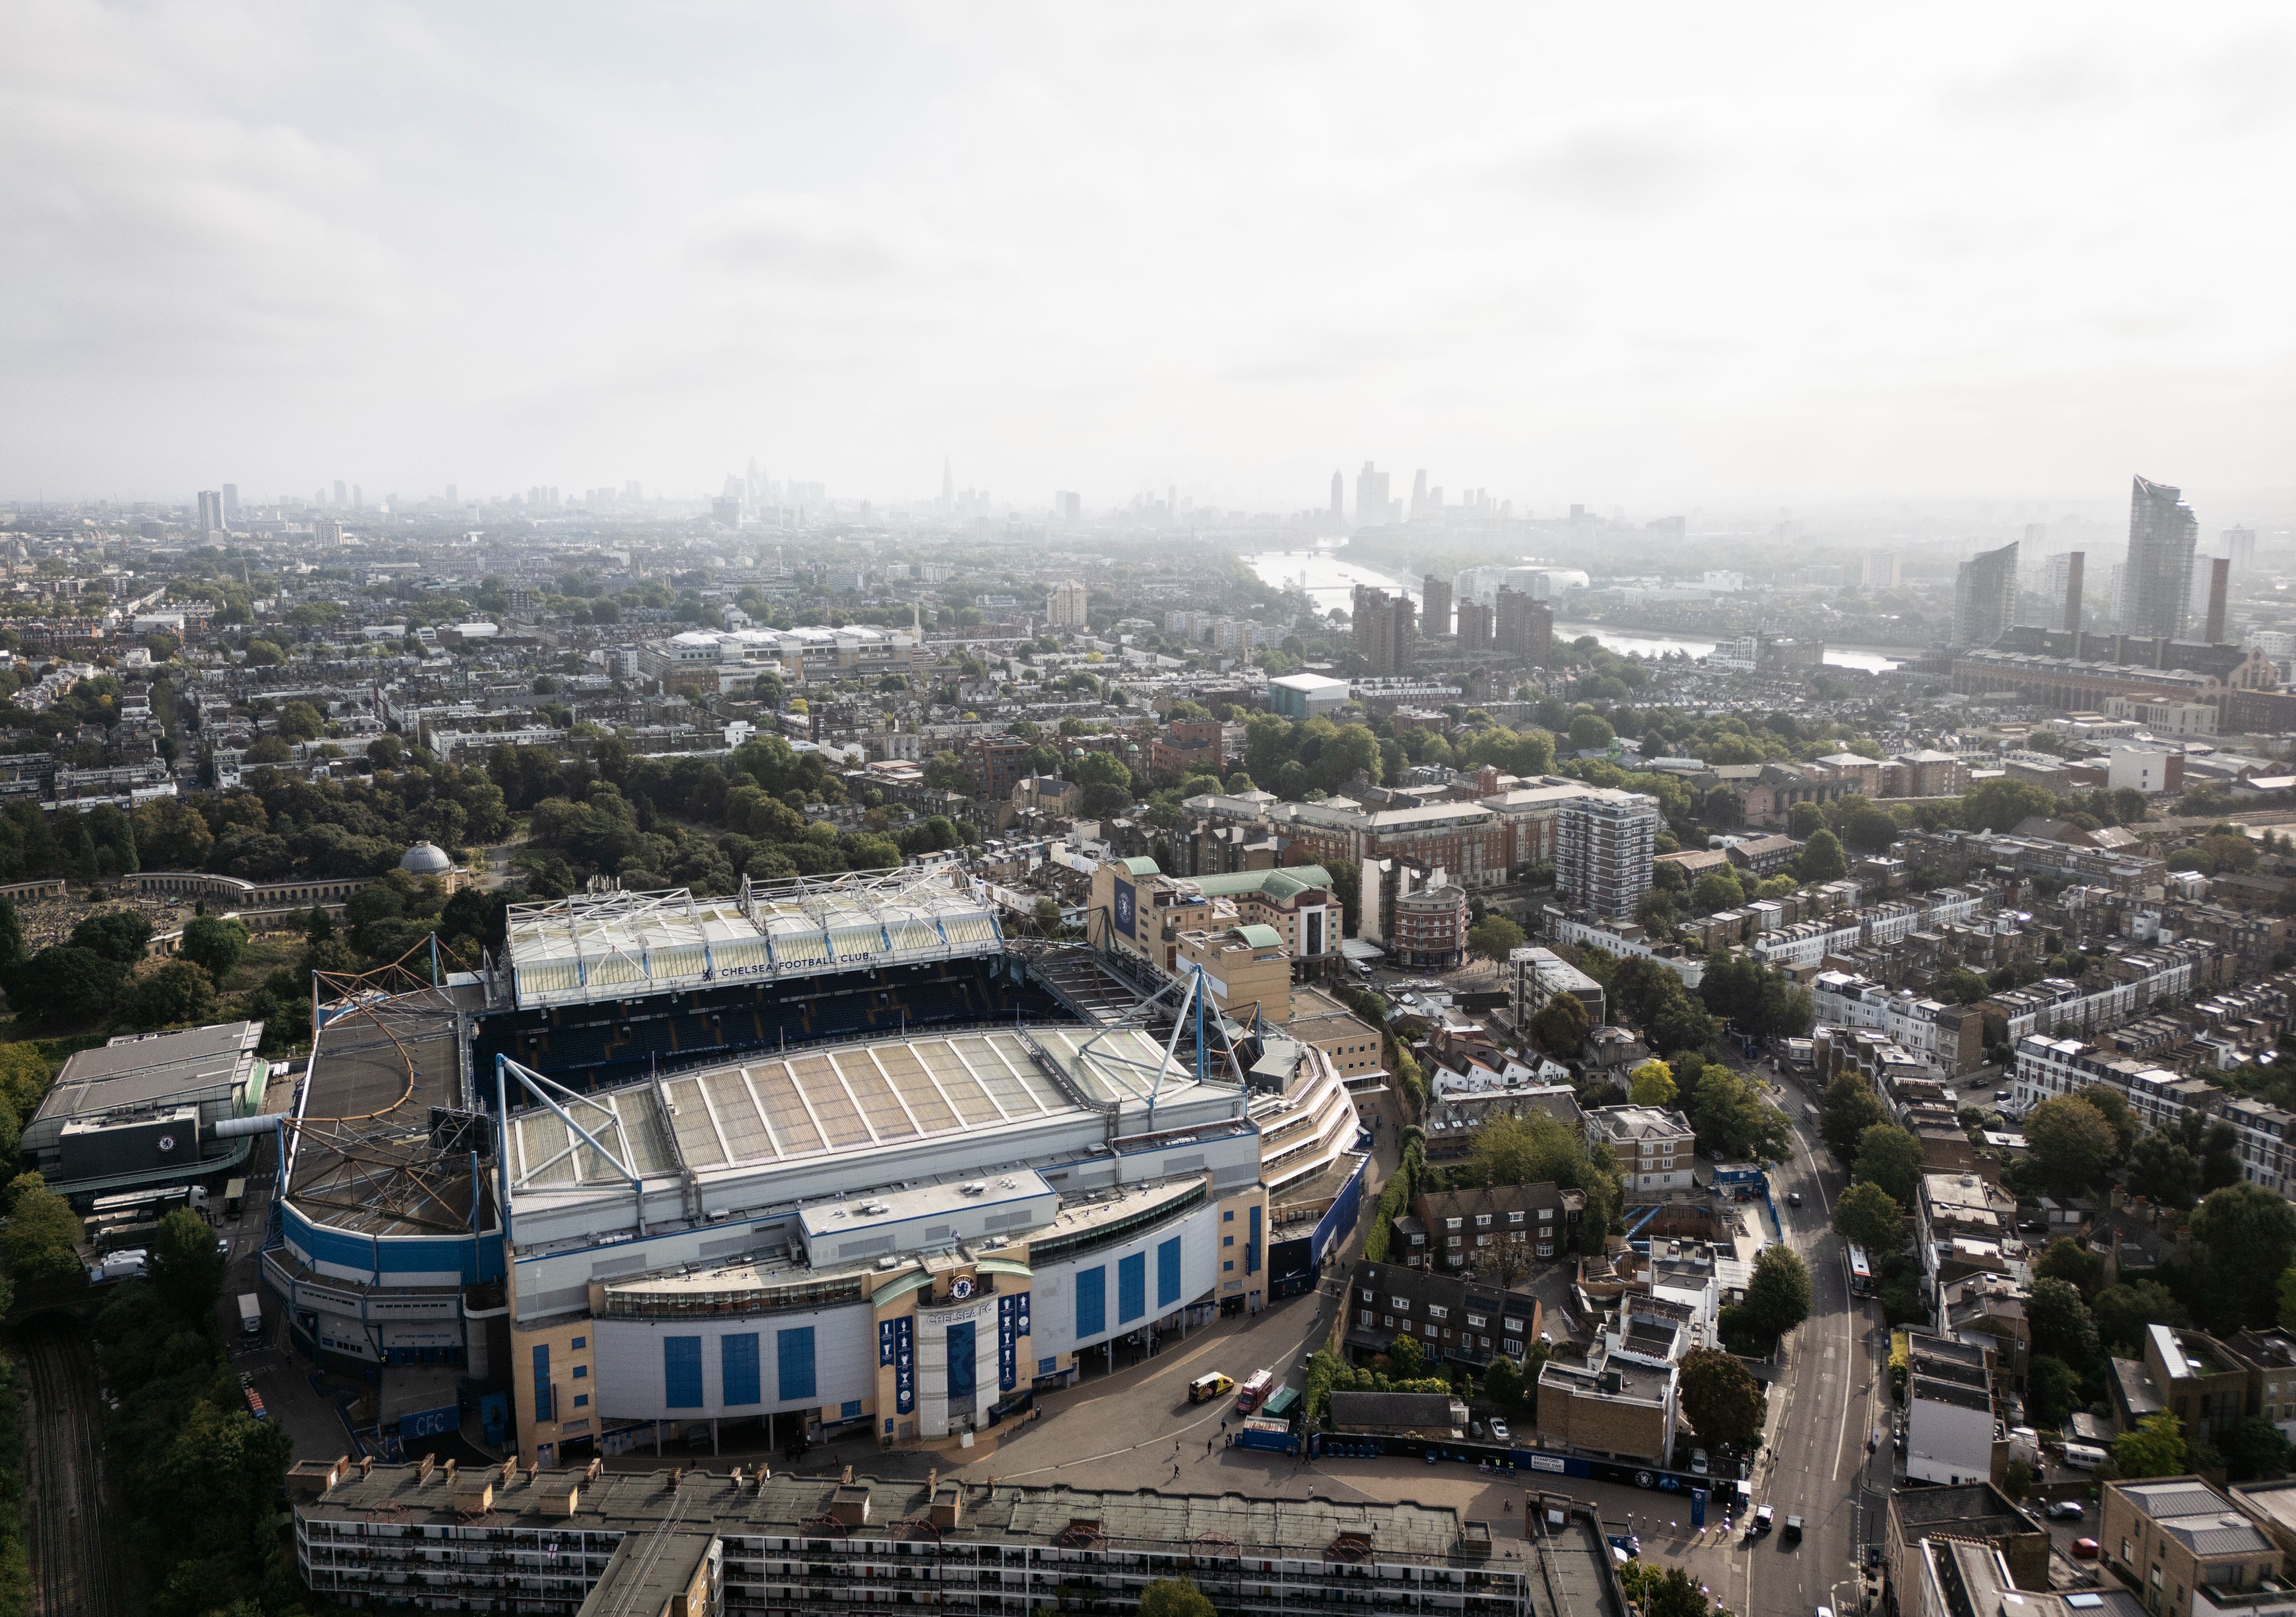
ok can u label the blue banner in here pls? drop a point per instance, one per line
(1012, 1325)
(896, 1350)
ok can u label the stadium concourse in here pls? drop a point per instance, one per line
(825, 1155)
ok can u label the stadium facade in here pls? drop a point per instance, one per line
(827, 1155)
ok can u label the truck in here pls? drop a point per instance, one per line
(1259, 1432)
(1254, 1389)
(234, 1195)
(250, 1314)
(118, 1266)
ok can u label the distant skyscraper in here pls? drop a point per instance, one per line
(1985, 597)
(947, 487)
(2064, 584)
(1434, 605)
(1419, 499)
(1474, 626)
(2158, 587)
(230, 505)
(1382, 630)
(358, 497)
(454, 495)
(2239, 547)
(1879, 570)
(1067, 508)
(210, 511)
(342, 493)
(1339, 500)
(1523, 626)
(2220, 577)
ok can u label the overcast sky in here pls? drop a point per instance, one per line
(1638, 255)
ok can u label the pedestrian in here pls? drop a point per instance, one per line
(1208, 1446)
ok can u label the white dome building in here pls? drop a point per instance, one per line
(426, 859)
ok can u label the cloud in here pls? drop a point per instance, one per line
(1621, 166)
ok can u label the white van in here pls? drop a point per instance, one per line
(2083, 1456)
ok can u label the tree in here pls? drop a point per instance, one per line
(1890, 1156)
(2122, 1312)
(1722, 1401)
(1673, 1593)
(2164, 1169)
(2061, 1324)
(171, 835)
(2017, 1480)
(1822, 859)
(2068, 1261)
(212, 943)
(1717, 889)
(1652, 1085)
(2248, 1234)
(185, 1269)
(1778, 1294)
(1964, 987)
(1404, 1354)
(118, 934)
(2052, 1392)
(1591, 732)
(1732, 1117)
(1868, 1217)
(1174, 1597)
(1850, 1108)
(176, 993)
(1495, 938)
(2156, 1447)
(2069, 1143)
(39, 1244)
(64, 986)
(2255, 1450)
(1560, 1027)
(1999, 805)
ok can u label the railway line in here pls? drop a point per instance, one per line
(75, 1563)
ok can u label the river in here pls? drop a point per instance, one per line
(1330, 583)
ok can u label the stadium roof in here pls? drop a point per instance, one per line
(616, 945)
(807, 1103)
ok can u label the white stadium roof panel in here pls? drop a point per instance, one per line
(611, 946)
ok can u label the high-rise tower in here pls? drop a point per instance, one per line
(1985, 597)
(2157, 588)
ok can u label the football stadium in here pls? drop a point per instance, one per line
(829, 1155)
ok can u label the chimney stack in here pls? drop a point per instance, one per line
(2220, 577)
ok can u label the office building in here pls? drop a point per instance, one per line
(1604, 846)
(1434, 604)
(1985, 597)
(1373, 506)
(1064, 606)
(2157, 587)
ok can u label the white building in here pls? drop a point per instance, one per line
(1604, 846)
(1065, 606)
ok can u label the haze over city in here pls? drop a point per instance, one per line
(1653, 259)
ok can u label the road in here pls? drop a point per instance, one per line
(75, 1563)
(1827, 1400)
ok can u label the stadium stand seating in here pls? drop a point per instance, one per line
(600, 1045)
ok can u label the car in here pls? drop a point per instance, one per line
(1474, 1428)
(2065, 1510)
(2001, 1094)
(1498, 1430)
(1794, 1199)
(1825, 1611)
(222, 1248)
(2084, 1549)
(1699, 1463)
(1763, 1519)
(1793, 1534)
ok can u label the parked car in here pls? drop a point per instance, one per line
(1474, 1428)
(2065, 1510)
(1699, 1463)
(2084, 1549)
(1763, 1519)
(1498, 1430)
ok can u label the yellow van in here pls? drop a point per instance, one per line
(1203, 1389)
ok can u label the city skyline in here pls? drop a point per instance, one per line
(982, 241)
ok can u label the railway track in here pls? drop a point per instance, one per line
(75, 1563)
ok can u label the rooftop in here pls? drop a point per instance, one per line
(131, 1073)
